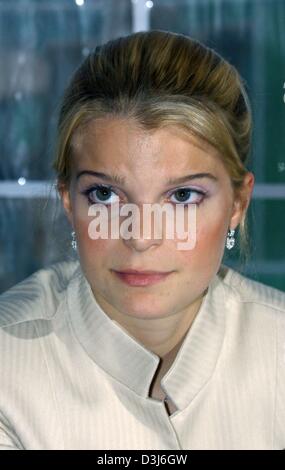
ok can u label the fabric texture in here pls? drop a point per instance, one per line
(72, 378)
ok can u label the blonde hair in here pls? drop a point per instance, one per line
(160, 78)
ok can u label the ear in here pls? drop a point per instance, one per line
(242, 201)
(64, 193)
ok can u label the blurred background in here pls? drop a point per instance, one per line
(43, 41)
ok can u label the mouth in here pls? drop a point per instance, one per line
(136, 278)
(136, 271)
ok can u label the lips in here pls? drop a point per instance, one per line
(135, 271)
(141, 278)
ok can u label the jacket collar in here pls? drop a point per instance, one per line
(125, 359)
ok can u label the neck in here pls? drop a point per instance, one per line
(160, 335)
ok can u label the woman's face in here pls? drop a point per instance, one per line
(143, 162)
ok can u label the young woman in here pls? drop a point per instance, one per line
(140, 344)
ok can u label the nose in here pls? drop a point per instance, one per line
(144, 232)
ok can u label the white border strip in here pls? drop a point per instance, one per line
(140, 16)
(46, 189)
(269, 191)
(31, 189)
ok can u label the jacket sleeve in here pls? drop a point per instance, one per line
(8, 438)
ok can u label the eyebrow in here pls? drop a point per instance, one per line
(121, 179)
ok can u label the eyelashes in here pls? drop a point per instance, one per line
(190, 191)
(99, 187)
(104, 189)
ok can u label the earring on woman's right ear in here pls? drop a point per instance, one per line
(73, 242)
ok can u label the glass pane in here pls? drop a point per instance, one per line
(250, 35)
(267, 253)
(33, 233)
(41, 43)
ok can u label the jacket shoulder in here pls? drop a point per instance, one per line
(37, 296)
(248, 290)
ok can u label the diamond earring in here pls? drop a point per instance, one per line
(230, 240)
(73, 242)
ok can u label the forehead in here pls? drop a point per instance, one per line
(121, 143)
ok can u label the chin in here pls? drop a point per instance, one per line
(147, 315)
(143, 309)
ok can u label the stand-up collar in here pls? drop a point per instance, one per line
(124, 358)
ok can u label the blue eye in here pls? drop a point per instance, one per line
(102, 194)
(185, 193)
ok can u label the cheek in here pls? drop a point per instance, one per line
(211, 237)
(92, 252)
(210, 243)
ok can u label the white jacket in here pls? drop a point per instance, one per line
(71, 378)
